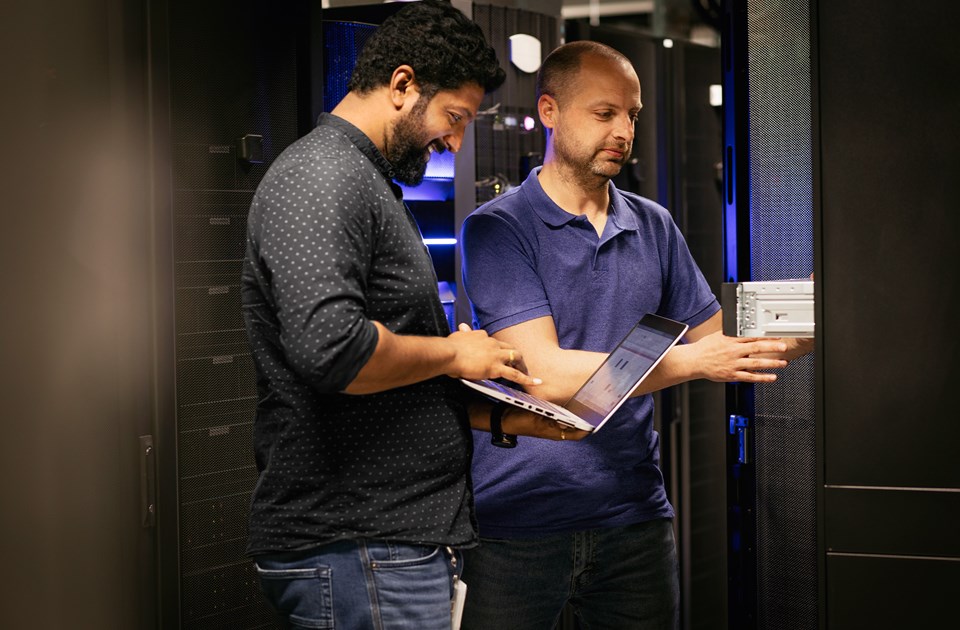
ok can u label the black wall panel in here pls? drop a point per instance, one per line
(888, 135)
(891, 592)
(869, 520)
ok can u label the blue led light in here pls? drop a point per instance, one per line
(441, 165)
(439, 241)
(429, 190)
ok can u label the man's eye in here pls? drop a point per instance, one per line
(604, 115)
(455, 118)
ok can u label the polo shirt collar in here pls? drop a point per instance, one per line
(625, 220)
(555, 216)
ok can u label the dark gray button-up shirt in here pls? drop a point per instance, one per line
(330, 247)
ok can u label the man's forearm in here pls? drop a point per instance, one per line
(675, 368)
(570, 369)
(400, 360)
(563, 372)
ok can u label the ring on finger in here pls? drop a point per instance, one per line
(512, 355)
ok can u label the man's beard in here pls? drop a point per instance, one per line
(586, 168)
(406, 150)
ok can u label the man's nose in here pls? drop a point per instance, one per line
(624, 129)
(454, 141)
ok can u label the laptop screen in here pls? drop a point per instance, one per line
(623, 370)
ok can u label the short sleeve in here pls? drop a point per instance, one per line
(500, 273)
(687, 297)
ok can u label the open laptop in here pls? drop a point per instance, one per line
(607, 388)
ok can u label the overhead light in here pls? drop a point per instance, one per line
(587, 9)
(525, 52)
(716, 95)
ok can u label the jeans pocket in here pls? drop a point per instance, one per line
(401, 555)
(412, 584)
(304, 596)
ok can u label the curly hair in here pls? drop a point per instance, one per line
(445, 49)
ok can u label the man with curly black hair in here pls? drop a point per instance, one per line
(448, 54)
(362, 440)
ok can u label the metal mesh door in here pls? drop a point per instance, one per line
(781, 246)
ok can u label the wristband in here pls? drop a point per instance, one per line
(497, 436)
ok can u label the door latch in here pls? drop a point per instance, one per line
(739, 426)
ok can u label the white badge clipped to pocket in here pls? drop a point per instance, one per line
(456, 604)
(459, 593)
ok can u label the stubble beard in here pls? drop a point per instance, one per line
(589, 171)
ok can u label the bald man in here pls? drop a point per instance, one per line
(561, 268)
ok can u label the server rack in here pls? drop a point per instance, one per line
(844, 513)
(228, 82)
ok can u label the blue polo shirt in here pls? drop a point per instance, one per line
(524, 257)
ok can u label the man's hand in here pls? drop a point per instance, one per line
(478, 355)
(732, 359)
(796, 348)
(400, 360)
(517, 421)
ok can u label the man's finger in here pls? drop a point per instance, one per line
(519, 377)
(766, 364)
(755, 377)
(569, 434)
(761, 346)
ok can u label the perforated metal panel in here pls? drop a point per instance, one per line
(501, 139)
(342, 41)
(232, 72)
(781, 246)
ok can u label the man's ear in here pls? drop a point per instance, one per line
(403, 86)
(548, 109)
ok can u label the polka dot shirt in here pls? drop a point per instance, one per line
(331, 247)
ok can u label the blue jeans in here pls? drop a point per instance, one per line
(615, 579)
(362, 584)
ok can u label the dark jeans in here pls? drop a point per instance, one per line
(615, 579)
(361, 585)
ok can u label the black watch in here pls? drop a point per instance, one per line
(497, 436)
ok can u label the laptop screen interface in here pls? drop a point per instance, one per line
(618, 375)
